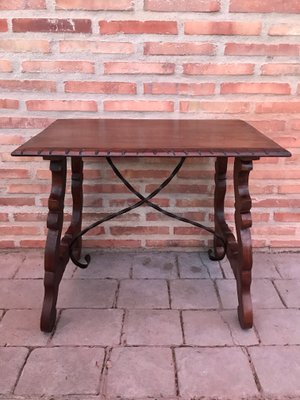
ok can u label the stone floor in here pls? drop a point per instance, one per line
(149, 326)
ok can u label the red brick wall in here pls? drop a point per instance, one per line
(151, 59)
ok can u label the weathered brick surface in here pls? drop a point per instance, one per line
(143, 59)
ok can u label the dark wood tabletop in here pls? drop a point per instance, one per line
(147, 137)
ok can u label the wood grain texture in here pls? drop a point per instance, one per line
(54, 262)
(159, 138)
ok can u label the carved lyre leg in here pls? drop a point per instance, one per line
(220, 190)
(243, 222)
(54, 263)
(77, 196)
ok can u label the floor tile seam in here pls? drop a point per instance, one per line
(104, 373)
(116, 296)
(221, 306)
(176, 376)
(169, 293)
(21, 262)
(254, 372)
(123, 327)
(279, 294)
(30, 350)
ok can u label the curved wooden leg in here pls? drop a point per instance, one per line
(77, 196)
(243, 222)
(54, 262)
(217, 252)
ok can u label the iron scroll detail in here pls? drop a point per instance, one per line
(143, 200)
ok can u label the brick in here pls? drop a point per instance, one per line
(106, 265)
(53, 25)
(284, 30)
(218, 69)
(138, 27)
(289, 291)
(21, 4)
(9, 104)
(205, 328)
(138, 105)
(261, 49)
(3, 25)
(287, 264)
(5, 66)
(152, 327)
(190, 266)
(14, 173)
(222, 28)
(280, 69)
(19, 230)
(143, 294)
(101, 5)
(154, 265)
(196, 367)
(193, 294)
(24, 45)
(85, 67)
(174, 243)
(28, 86)
(278, 107)
(189, 89)
(216, 107)
(182, 5)
(96, 328)
(61, 370)
(81, 46)
(287, 216)
(113, 244)
(19, 293)
(181, 188)
(11, 361)
(62, 105)
(139, 230)
(271, 364)
(264, 294)
(24, 123)
(141, 372)
(21, 328)
(83, 293)
(265, 6)
(179, 48)
(278, 327)
(255, 88)
(100, 87)
(139, 68)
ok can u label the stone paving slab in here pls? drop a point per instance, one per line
(21, 293)
(142, 293)
(138, 315)
(278, 369)
(214, 372)
(278, 326)
(22, 328)
(61, 370)
(152, 327)
(140, 372)
(289, 290)
(11, 361)
(10, 263)
(32, 267)
(191, 266)
(264, 295)
(82, 293)
(206, 328)
(106, 265)
(287, 264)
(193, 294)
(88, 327)
(159, 265)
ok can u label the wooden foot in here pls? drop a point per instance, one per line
(54, 262)
(243, 223)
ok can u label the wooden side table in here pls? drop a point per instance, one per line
(77, 138)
